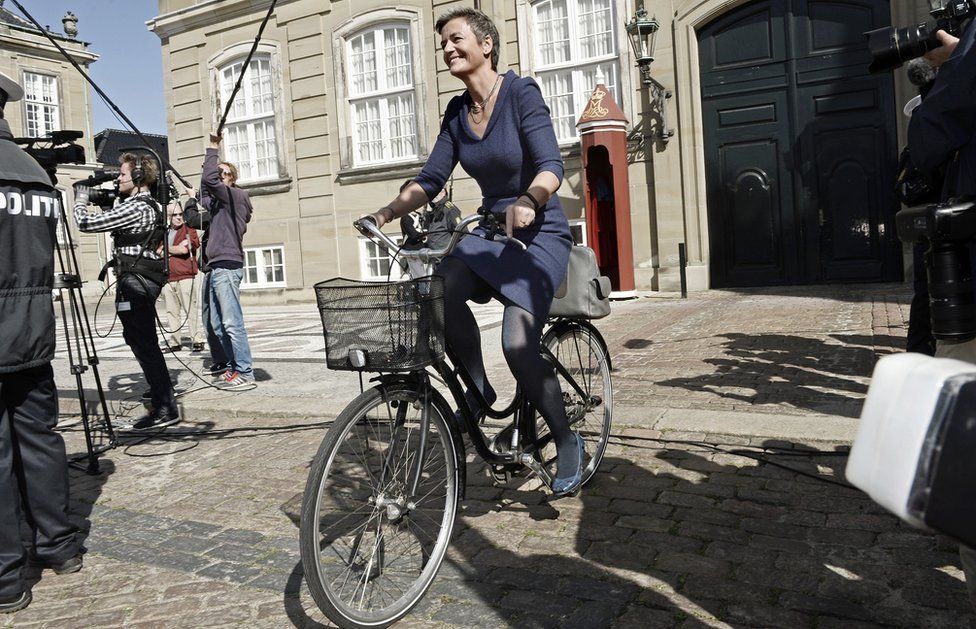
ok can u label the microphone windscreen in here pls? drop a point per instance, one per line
(920, 73)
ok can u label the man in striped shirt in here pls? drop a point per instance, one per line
(137, 232)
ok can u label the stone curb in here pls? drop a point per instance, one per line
(783, 426)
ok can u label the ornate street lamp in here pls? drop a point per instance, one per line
(642, 33)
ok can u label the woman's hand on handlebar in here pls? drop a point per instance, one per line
(517, 216)
(381, 216)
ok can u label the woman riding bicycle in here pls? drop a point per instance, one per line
(501, 132)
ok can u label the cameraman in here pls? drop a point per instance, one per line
(33, 465)
(137, 234)
(943, 131)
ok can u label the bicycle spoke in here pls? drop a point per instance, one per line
(374, 542)
(585, 377)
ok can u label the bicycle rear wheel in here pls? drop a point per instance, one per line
(371, 544)
(588, 396)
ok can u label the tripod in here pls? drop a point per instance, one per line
(81, 346)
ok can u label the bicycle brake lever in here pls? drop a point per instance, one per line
(511, 239)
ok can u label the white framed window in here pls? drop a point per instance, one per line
(575, 41)
(380, 93)
(42, 106)
(376, 263)
(264, 267)
(249, 132)
(577, 228)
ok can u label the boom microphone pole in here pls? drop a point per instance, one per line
(244, 66)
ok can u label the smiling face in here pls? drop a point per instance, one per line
(462, 51)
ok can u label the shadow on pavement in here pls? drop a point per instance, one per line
(799, 371)
(84, 490)
(702, 538)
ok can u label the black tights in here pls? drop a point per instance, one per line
(521, 339)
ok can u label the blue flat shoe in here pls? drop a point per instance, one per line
(570, 485)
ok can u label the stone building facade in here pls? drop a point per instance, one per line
(56, 97)
(343, 101)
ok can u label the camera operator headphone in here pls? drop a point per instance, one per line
(138, 174)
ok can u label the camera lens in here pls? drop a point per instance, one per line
(102, 197)
(891, 47)
(953, 305)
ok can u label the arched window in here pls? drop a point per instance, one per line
(380, 93)
(252, 128)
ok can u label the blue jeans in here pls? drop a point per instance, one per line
(228, 320)
(217, 356)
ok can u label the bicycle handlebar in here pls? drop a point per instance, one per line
(367, 227)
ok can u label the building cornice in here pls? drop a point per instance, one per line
(15, 43)
(204, 14)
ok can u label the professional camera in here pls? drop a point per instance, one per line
(891, 47)
(949, 228)
(62, 149)
(102, 197)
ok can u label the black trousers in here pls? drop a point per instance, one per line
(33, 476)
(136, 301)
(919, 338)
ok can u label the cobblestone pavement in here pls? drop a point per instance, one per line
(679, 529)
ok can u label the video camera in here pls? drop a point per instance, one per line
(62, 149)
(102, 197)
(891, 47)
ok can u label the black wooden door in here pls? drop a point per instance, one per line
(800, 148)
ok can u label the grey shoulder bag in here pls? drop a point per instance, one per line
(584, 293)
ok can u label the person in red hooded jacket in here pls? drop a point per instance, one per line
(180, 292)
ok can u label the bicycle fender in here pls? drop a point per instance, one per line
(564, 324)
(438, 400)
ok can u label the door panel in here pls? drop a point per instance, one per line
(800, 151)
(750, 187)
(844, 144)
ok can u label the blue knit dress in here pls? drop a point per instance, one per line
(518, 144)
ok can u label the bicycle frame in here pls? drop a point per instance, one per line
(458, 378)
(524, 438)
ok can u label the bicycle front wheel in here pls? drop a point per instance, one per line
(379, 507)
(587, 393)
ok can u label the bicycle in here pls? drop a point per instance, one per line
(380, 503)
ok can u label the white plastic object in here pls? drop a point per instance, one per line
(890, 450)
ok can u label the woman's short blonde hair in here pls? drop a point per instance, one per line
(481, 25)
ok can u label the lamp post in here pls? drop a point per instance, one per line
(642, 32)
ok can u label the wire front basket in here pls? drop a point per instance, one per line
(382, 326)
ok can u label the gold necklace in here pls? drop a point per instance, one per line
(477, 108)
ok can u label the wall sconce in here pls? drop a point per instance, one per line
(642, 33)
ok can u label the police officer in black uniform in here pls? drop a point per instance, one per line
(33, 464)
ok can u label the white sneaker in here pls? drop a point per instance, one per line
(234, 381)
